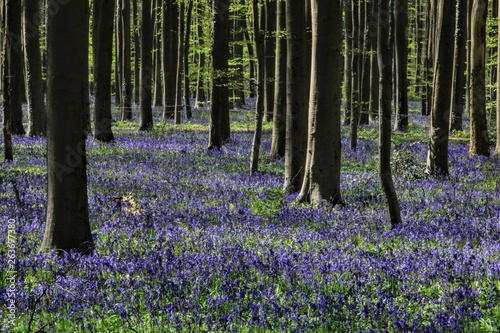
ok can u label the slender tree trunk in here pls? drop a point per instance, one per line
(7, 135)
(187, 35)
(118, 56)
(146, 70)
(497, 148)
(169, 52)
(200, 82)
(374, 72)
(401, 48)
(15, 67)
(37, 116)
(259, 112)
(479, 140)
(237, 48)
(459, 79)
(437, 157)
(347, 61)
(67, 225)
(137, 54)
(157, 58)
(103, 58)
(355, 101)
(279, 112)
(219, 92)
(251, 54)
(296, 110)
(126, 112)
(368, 46)
(180, 58)
(269, 58)
(384, 53)
(322, 176)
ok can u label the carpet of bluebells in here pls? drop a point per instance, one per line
(188, 241)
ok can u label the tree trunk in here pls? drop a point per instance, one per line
(251, 54)
(401, 48)
(180, 59)
(103, 57)
(296, 101)
(200, 81)
(7, 135)
(279, 111)
(347, 61)
(169, 56)
(437, 157)
(157, 96)
(384, 53)
(459, 79)
(187, 35)
(126, 112)
(322, 175)
(219, 91)
(355, 101)
(269, 58)
(146, 70)
(67, 225)
(237, 57)
(15, 67)
(374, 72)
(369, 41)
(137, 55)
(497, 148)
(479, 140)
(37, 116)
(259, 107)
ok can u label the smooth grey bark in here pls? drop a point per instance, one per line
(279, 110)
(103, 57)
(219, 91)
(259, 107)
(296, 97)
(146, 70)
(384, 54)
(322, 175)
(437, 156)
(37, 115)
(67, 226)
(479, 140)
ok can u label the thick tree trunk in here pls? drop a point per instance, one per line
(297, 91)
(322, 176)
(384, 53)
(437, 157)
(37, 116)
(67, 225)
(219, 91)
(479, 140)
(146, 70)
(279, 111)
(259, 107)
(103, 57)
(7, 135)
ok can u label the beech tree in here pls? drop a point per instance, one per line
(103, 57)
(401, 51)
(479, 140)
(437, 156)
(6, 78)
(146, 69)
(170, 41)
(67, 226)
(322, 173)
(37, 115)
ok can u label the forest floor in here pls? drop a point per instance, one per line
(188, 241)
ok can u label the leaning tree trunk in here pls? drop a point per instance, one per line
(384, 53)
(67, 225)
(37, 116)
(479, 140)
(259, 112)
(437, 156)
(146, 70)
(322, 175)
(103, 57)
